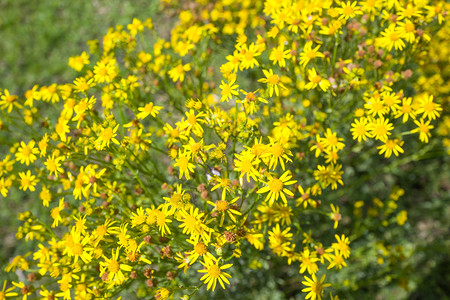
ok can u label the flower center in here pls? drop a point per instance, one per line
(200, 249)
(317, 288)
(276, 185)
(214, 271)
(113, 266)
(26, 151)
(222, 205)
(77, 249)
(192, 119)
(277, 150)
(394, 36)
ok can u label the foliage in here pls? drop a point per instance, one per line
(253, 142)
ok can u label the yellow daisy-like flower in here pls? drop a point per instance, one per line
(7, 292)
(178, 72)
(272, 81)
(224, 207)
(27, 153)
(423, 128)
(107, 135)
(309, 54)
(56, 213)
(148, 109)
(314, 287)
(214, 273)
(113, 268)
(228, 89)
(53, 164)
(315, 79)
(183, 164)
(27, 181)
(391, 146)
(276, 188)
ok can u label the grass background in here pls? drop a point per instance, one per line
(38, 37)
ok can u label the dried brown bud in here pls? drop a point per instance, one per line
(148, 272)
(170, 170)
(166, 251)
(151, 283)
(25, 290)
(133, 275)
(320, 251)
(148, 239)
(139, 191)
(377, 64)
(204, 194)
(32, 277)
(230, 236)
(105, 276)
(201, 187)
(170, 275)
(407, 73)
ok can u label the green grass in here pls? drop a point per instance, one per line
(38, 37)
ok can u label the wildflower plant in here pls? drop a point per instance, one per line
(172, 161)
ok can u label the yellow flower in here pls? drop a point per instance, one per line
(309, 54)
(113, 268)
(314, 287)
(183, 164)
(78, 62)
(331, 141)
(315, 79)
(56, 213)
(107, 135)
(336, 260)
(276, 187)
(228, 89)
(7, 293)
(335, 215)
(380, 128)
(178, 72)
(279, 55)
(360, 129)
(245, 163)
(148, 109)
(348, 10)
(214, 273)
(224, 207)
(53, 164)
(308, 262)
(105, 70)
(27, 153)
(342, 245)
(27, 181)
(423, 128)
(428, 108)
(273, 81)
(247, 56)
(391, 146)
(392, 37)
(8, 101)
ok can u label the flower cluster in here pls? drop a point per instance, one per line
(167, 160)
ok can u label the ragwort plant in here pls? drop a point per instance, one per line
(172, 159)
